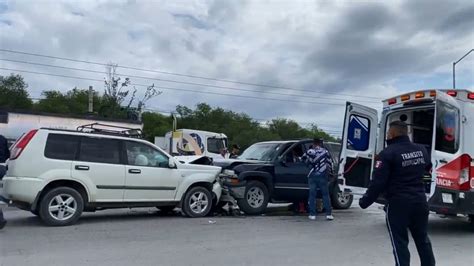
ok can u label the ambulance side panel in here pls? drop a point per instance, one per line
(467, 128)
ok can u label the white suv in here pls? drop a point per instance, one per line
(58, 174)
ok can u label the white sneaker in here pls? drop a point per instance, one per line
(312, 217)
(329, 217)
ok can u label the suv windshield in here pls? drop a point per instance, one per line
(261, 152)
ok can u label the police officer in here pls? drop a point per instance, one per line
(4, 155)
(398, 173)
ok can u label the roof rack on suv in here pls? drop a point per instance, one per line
(111, 130)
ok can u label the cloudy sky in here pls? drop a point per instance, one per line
(311, 55)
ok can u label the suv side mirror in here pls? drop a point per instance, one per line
(171, 163)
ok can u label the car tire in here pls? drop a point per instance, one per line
(61, 206)
(166, 209)
(341, 201)
(255, 199)
(197, 202)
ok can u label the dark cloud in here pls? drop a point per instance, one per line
(459, 22)
(328, 47)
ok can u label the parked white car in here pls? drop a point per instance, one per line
(58, 174)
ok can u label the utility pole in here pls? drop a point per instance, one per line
(91, 100)
(454, 67)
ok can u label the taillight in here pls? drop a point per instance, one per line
(465, 180)
(21, 144)
(452, 93)
(470, 96)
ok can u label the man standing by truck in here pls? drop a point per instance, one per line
(398, 173)
(4, 155)
(320, 161)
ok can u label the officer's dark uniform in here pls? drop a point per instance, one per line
(4, 155)
(398, 174)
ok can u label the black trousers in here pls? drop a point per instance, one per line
(3, 170)
(404, 216)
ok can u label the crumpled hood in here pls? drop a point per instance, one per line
(232, 163)
(200, 167)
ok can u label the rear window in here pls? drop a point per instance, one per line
(358, 135)
(100, 150)
(447, 128)
(62, 147)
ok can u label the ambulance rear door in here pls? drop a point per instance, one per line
(358, 148)
(446, 149)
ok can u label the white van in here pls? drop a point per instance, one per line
(441, 120)
(190, 142)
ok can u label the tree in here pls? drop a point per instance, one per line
(240, 128)
(13, 93)
(53, 102)
(75, 101)
(155, 124)
(116, 92)
(287, 129)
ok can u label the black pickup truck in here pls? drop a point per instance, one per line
(272, 172)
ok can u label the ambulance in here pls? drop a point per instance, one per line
(440, 120)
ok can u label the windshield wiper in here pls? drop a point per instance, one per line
(252, 159)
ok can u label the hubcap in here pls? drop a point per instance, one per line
(198, 202)
(62, 207)
(255, 197)
(343, 198)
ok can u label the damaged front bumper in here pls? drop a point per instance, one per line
(231, 185)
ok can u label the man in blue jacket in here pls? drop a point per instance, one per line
(398, 174)
(4, 155)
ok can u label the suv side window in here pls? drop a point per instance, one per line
(61, 147)
(140, 154)
(294, 155)
(99, 150)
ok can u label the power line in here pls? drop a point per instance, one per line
(181, 75)
(176, 89)
(174, 81)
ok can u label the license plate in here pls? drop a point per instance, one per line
(447, 198)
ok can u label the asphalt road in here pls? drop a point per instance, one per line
(146, 237)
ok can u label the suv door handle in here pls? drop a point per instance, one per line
(443, 161)
(82, 167)
(134, 171)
